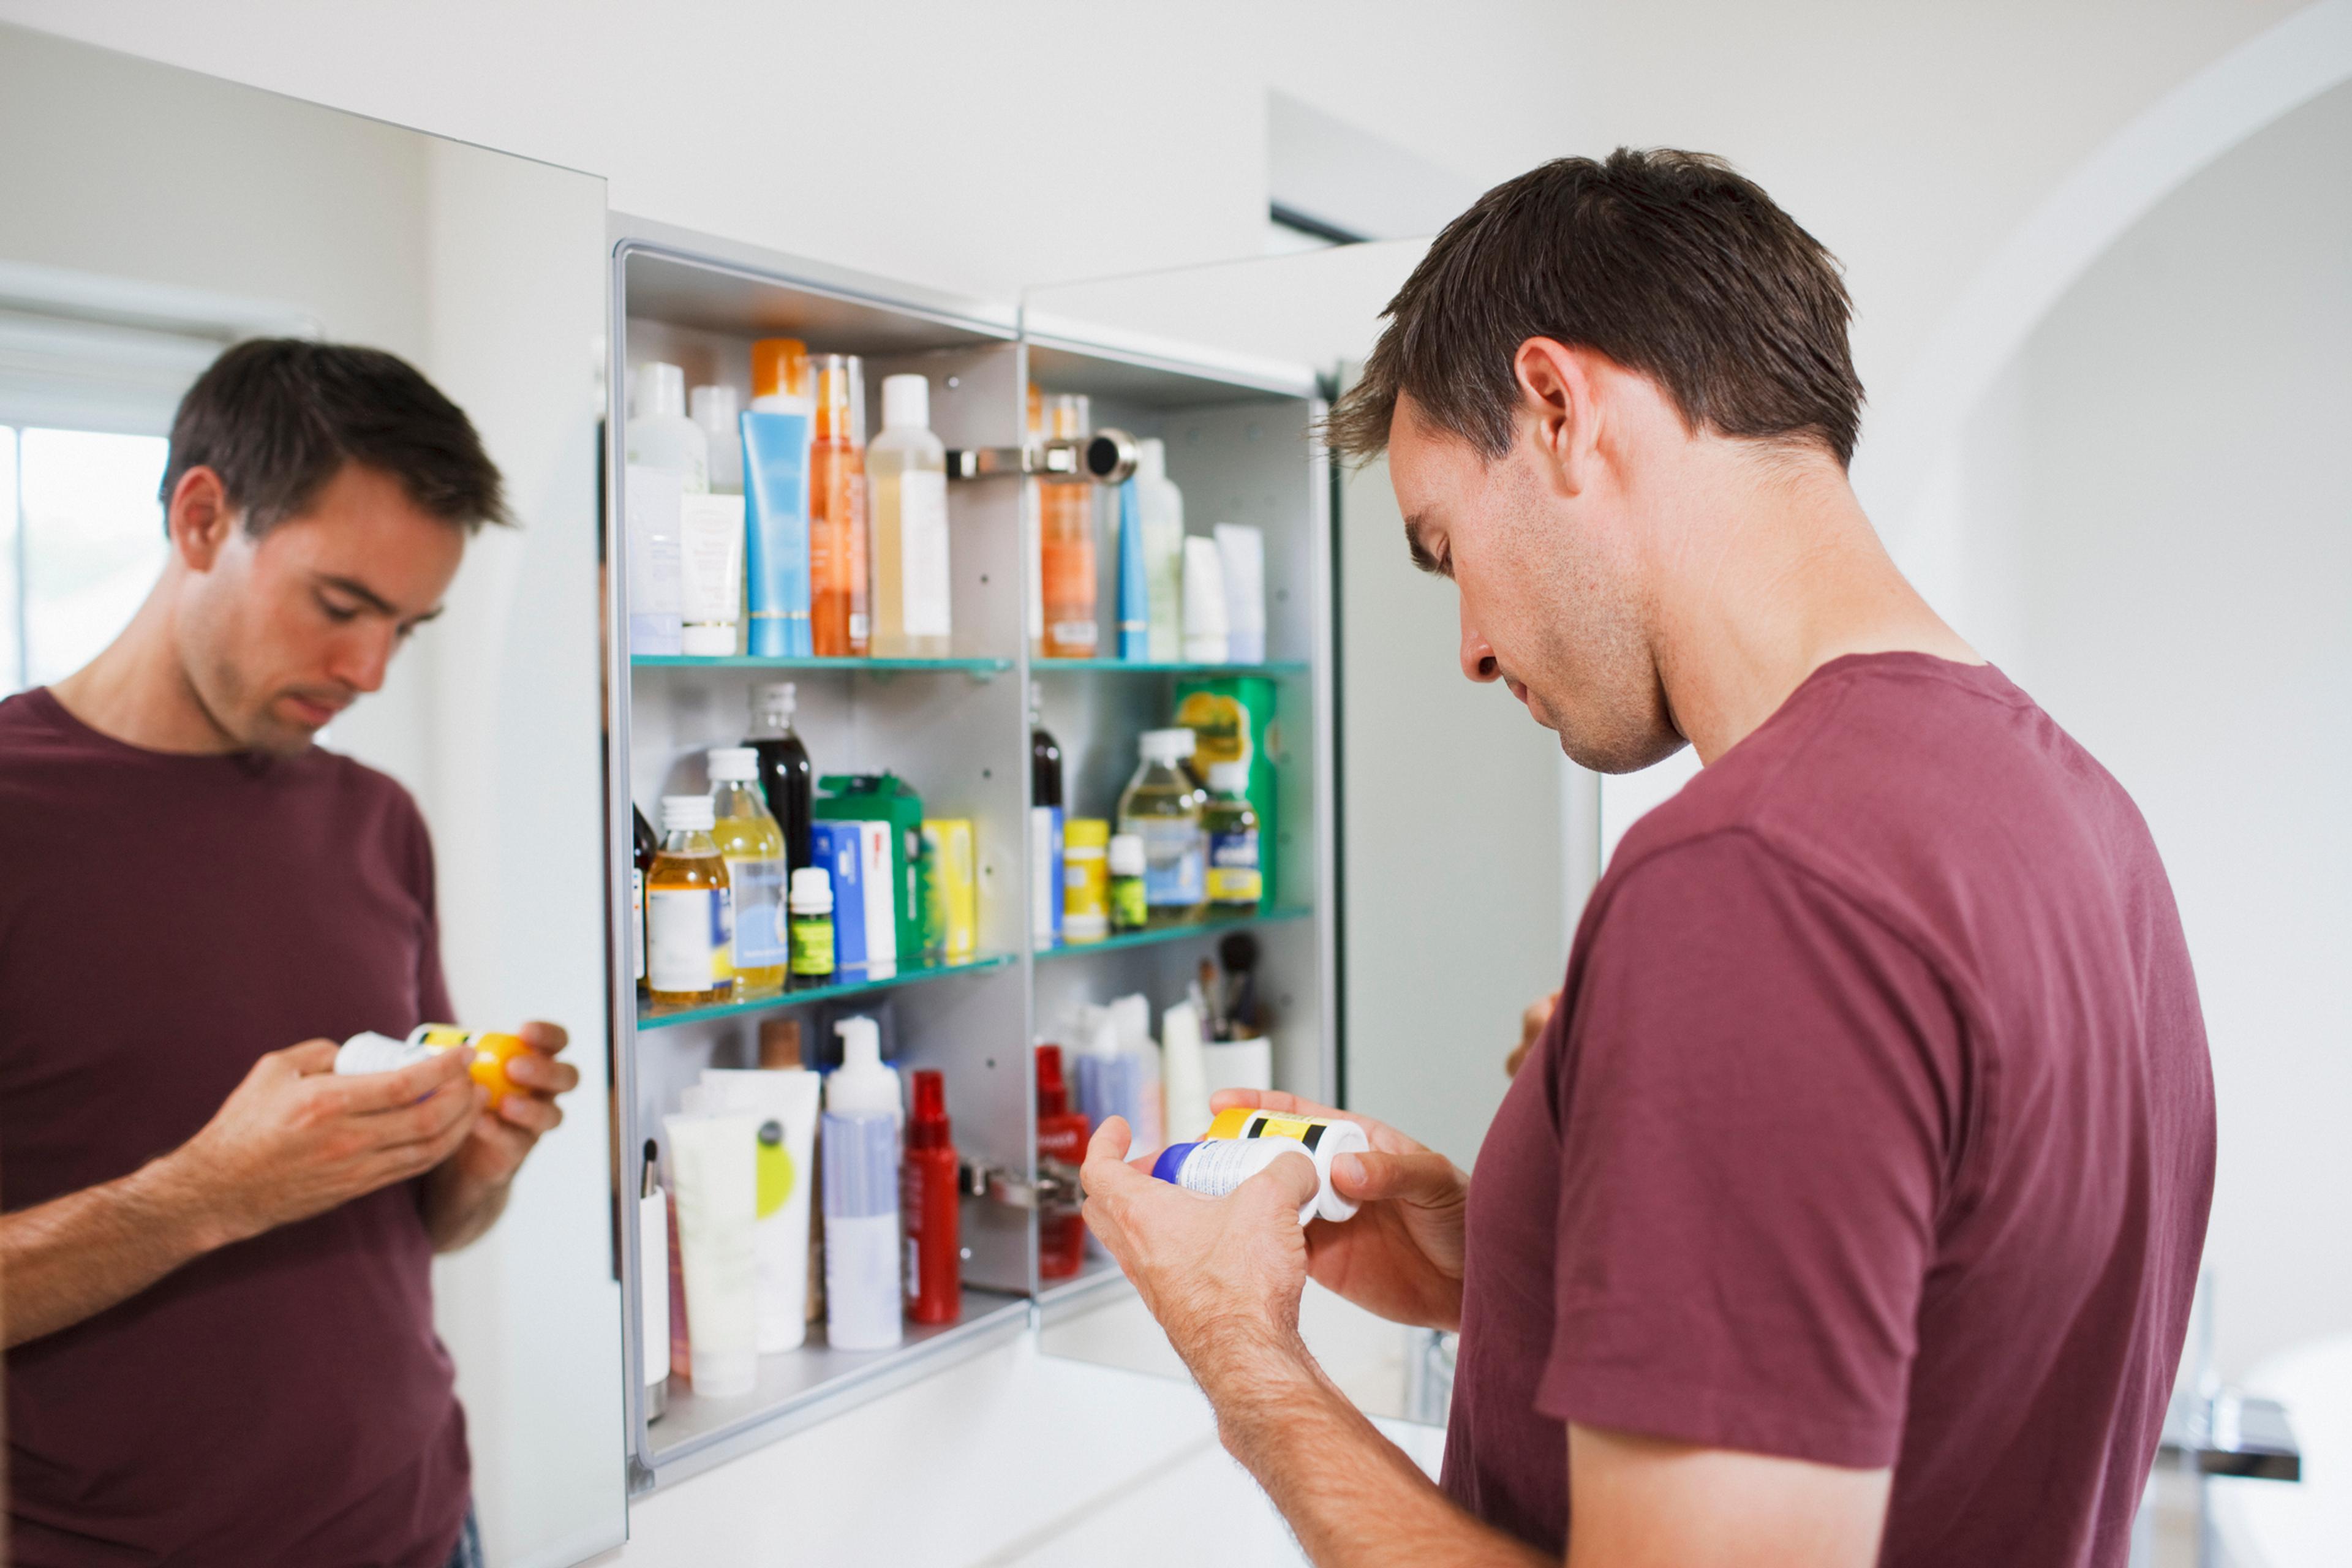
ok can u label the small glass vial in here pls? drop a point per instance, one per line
(1127, 910)
(1235, 881)
(812, 923)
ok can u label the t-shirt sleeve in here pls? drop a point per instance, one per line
(1754, 1112)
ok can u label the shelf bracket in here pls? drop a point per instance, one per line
(1105, 458)
(1054, 1183)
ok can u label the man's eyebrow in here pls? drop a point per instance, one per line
(1422, 558)
(375, 601)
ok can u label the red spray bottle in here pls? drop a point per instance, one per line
(1062, 1138)
(928, 1201)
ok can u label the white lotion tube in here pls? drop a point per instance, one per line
(783, 1101)
(1204, 603)
(1187, 1073)
(714, 1176)
(711, 572)
(652, 1300)
(1242, 553)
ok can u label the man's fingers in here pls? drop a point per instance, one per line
(1267, 1099)
(369, 1093)
(309, 1057)
(534, 1115)
(1110, 1142)
(1428, 1179)
(1291, 1180)
(543, 1036)
(542, 1075)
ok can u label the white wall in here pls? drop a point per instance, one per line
(2160, 550)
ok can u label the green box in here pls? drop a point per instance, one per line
(886, 797)
(1233, 717)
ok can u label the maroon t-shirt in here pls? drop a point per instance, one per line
(1873, 1127)
(165, 921)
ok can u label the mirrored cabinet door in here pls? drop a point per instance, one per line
(149, 219)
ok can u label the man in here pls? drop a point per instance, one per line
(1848, 1208)
(216, 1253)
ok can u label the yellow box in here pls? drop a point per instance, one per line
(951, 891)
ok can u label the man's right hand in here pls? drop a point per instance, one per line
(1401, 1257)
(295, 1140)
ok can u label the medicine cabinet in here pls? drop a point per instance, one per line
(1239, 440)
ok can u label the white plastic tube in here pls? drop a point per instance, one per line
(783, 1101)
(713, 1174)
(1187, 1073)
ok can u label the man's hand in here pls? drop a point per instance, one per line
(505, 1133)
(464, 1197)
(295, 1140)
(1222, 1275)
(1531, 1028)
(1401, 1257)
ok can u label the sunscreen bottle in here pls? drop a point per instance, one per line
(1320, 1138)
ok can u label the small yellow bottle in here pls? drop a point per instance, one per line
(689, 910)
(753, 847)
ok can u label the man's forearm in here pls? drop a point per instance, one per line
(74, 1257)
(1352, 1497)
(459, 1209)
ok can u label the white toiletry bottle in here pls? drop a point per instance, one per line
(864, 1301)
(907, 483)
(1160, 516)
(660, 435)
(717, 412)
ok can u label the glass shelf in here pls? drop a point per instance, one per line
(1172, 933)
(908, 975)
(1151, 667)
(756, 661)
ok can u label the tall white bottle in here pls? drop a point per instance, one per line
(660, 435)
(715, 411)
(907, 478)
(1160, 517)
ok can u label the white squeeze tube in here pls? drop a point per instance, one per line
(1242, 553)
(1186, 1073)
(783, 1101)
(714, 1176)
(653, 1268)
(1206, 632)
(711, 572)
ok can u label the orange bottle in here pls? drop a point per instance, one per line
(1066, 538)
(840, 624)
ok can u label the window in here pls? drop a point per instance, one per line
(86, 541)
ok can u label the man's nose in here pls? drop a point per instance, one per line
(364, 655)
(1477, 657)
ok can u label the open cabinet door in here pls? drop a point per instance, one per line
(154, 218)
(1460, 841)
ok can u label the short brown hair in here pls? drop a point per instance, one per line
(276, 418)
(1669, 263)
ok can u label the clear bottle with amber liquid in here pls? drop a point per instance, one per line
(689, 910)
(1065, 543)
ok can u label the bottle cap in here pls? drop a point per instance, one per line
(1086, 833)
(779, 368)
(714, 408)
(1225, 778)
(687, 813)
(1151, 459)
(1168, 746)
(812, 891)
(780, 1038)
(905, 403)
(1126, 855)
(732, 764)
(707, 640)
(927, 1126)
(861, 1082)
(657, 389)
(1171, 1160)
(777, 695)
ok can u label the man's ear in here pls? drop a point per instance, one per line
(1557, 398)
(199, 519)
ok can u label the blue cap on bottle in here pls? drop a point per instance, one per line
(1171, 1160)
